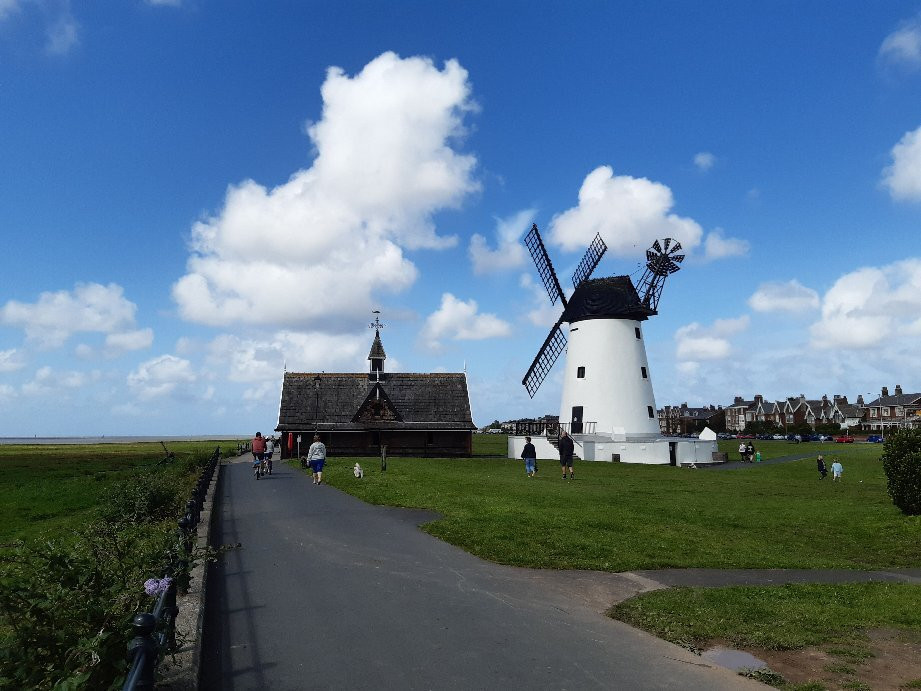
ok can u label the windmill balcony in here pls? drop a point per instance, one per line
(580, 427)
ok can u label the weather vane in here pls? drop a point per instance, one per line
(376, 324)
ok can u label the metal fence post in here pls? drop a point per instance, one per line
(142, 650)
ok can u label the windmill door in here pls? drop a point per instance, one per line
(576, 425)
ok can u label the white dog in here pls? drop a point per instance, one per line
(358, 471)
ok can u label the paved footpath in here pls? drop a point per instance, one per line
(327, 592)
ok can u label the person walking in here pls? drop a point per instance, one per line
(750, 452)
(820, 464)
(529, 454)
(316, 458)
(567, 448)
(836, 470)
(742, 450)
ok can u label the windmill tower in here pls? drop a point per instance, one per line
(607, 390)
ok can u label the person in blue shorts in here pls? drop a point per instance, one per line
(316, 457)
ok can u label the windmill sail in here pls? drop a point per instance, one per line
(590, 260)
(539, 254)
(553, 346)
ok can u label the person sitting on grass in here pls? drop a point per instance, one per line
(836, 470)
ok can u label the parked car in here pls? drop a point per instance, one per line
(875, 439)
(844, 439)
(778, 437)
(826, 437)
(745, 436)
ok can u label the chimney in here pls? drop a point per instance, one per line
(885, 391)
(738, 399)
(860, 399)
(898, 389)
(825, 397)
(759, 398)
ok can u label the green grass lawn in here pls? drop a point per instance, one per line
(774, 617)
(54, 488)
(621, 517)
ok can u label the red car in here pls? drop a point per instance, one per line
(844, 440)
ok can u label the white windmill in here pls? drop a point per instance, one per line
(607, 390)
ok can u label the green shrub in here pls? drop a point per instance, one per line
(144, 498)
(902, 465)
(66, 605)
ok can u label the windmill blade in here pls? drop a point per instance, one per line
(553, 346)
(590, 260)
(544, 267)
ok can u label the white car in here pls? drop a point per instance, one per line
(778, 437)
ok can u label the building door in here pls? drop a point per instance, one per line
(576, 425)
(672, 453)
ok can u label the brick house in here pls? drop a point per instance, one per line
(896, 411)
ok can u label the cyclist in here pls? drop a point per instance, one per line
(258, 446)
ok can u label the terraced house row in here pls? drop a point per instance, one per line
(885, 412)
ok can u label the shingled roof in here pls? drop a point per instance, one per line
(403, 401)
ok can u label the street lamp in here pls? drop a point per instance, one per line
(316, 409)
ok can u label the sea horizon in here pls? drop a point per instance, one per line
(107, 439)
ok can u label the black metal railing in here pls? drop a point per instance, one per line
(155, 632)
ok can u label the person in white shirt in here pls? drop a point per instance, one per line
(316, 457)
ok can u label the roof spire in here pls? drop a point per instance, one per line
(377, 354)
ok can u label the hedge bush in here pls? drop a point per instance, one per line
(902, 465)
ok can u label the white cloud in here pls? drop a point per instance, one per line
(903, 46)
(903, 177)
(7, 8)
(459, 320)
(778, 296)
(704, 160)
(129, 340)
(872, 307)
(696, 342)
(628, 212)
(47, 382)
(91, 307)
(543, 314)
(166, 375)
(61, 34)
(717, 246)
(509, 252)
(11, 360)
(326, 244)
(262, 362)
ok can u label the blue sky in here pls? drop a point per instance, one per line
(195, 195)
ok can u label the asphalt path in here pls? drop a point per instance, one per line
(327, 592)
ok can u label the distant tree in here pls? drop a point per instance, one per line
(828, 428)
(902, 465)
(761, 427)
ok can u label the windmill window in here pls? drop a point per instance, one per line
(645, 375)
(650, 411)
(580, 373)
(636, 330)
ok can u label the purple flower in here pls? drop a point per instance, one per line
(156, 586)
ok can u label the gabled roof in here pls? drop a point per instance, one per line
(903, 399)
(412, 401)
